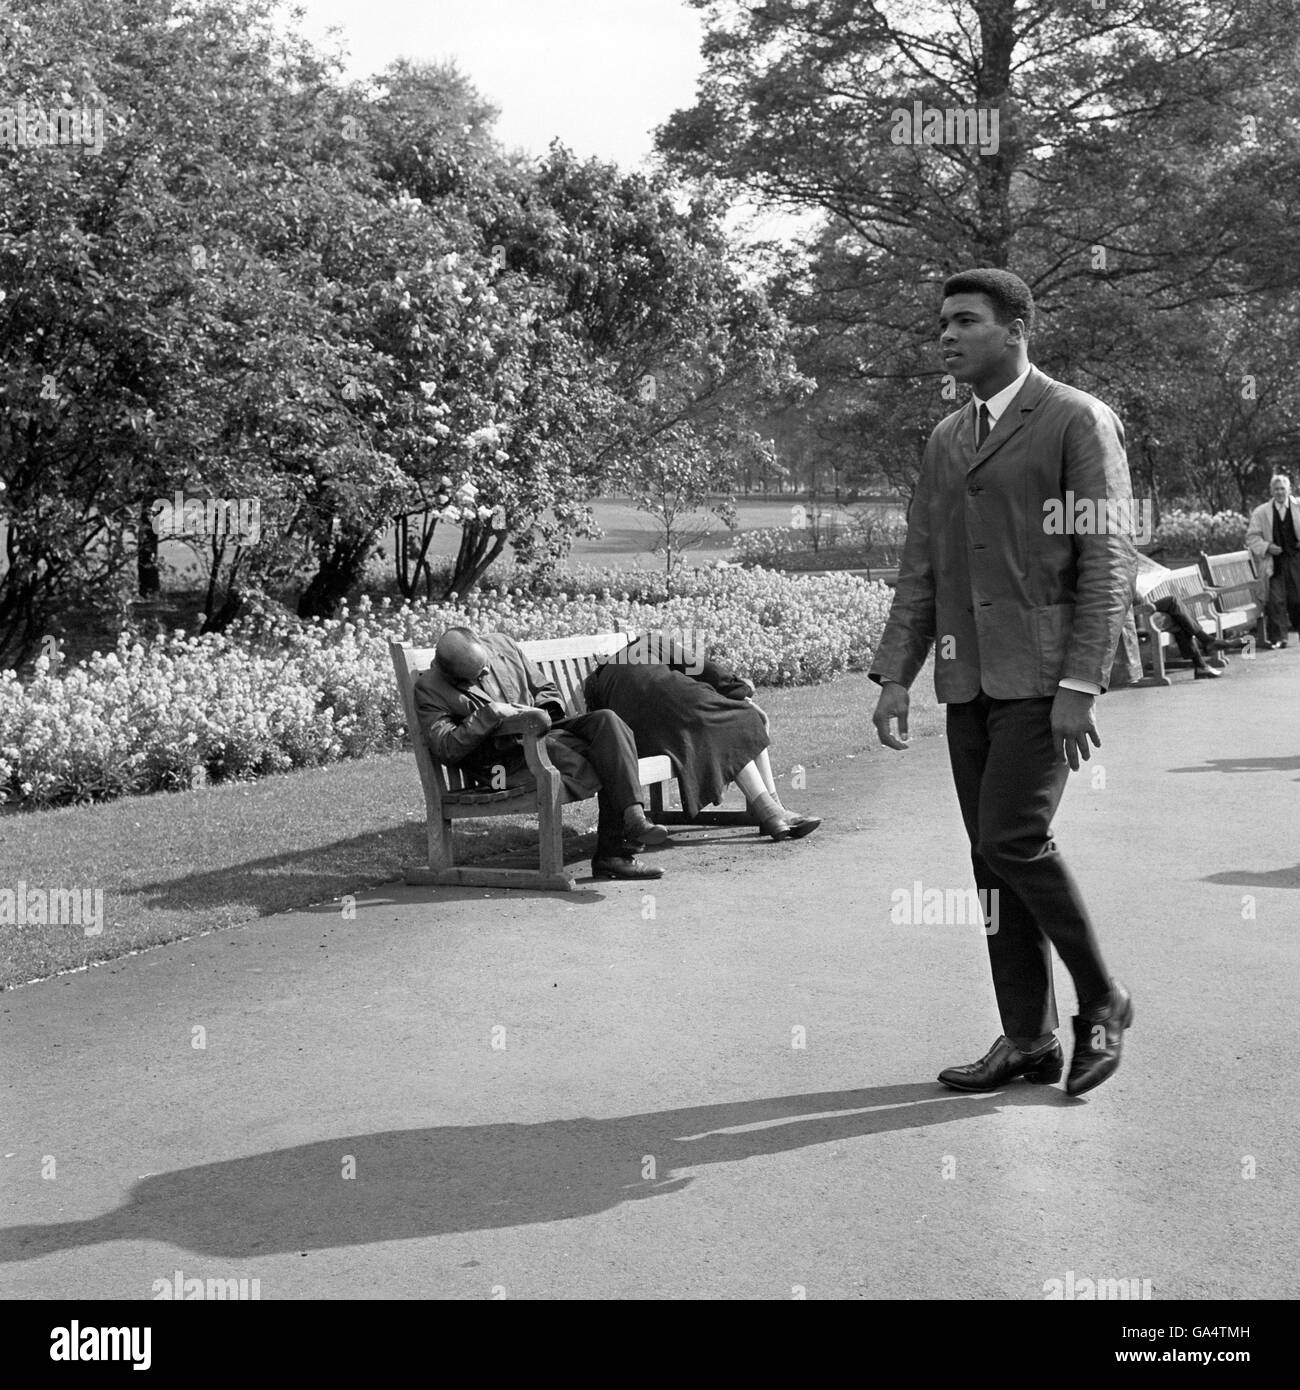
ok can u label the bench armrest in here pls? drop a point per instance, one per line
(539, 762)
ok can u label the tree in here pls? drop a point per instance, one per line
(1144, 160)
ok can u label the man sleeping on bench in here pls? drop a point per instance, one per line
(480, 691)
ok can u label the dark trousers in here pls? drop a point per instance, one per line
(1187, 636)
(1009, 781)
(1283, 597)
(608, 745)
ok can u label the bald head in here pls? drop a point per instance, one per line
(461, 655)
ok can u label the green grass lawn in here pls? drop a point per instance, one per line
(183, 864)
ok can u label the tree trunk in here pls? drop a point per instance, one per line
(227, 613)
(340, 572)
(147, 575)
(479, 547)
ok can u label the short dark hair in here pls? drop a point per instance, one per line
(1008, 293)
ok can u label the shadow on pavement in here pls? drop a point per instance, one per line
(332, 869)
(1282, 764)
(1257, 878)
(415, 1183)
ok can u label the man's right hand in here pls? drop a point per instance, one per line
(503, 710)
(523, 719)
(893, 704)
(1274, 550)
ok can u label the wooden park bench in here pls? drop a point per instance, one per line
(1239, 596)
(1155, 629)
(449, 796)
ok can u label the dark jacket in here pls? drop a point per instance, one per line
(1010, 607)
(458, 725)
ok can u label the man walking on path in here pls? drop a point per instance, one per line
(1273, 538)
(1025, 615)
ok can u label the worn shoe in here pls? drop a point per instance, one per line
(802, 825)
(1003, 1062)
(616, 866)
(637, 827)
(1098, 1039)
(1207, 673)
(775, 827)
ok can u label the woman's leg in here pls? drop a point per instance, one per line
(765, 808)
(752, 782)
(764, 765)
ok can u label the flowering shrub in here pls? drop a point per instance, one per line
(1188, 533)
(876, 534)
(274, 693)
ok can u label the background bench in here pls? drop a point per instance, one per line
(1154, 628)
(448, 797)
(1233, 579)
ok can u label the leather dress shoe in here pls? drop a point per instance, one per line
(1003, 1062)
(1098, 1039)
(802, 825)
(1207, 673)
(617, 866)
(776, 827)
(636, 826)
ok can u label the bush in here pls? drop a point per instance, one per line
(1183, 533)
(275, 693)
(870, 537)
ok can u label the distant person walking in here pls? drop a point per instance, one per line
(1273, 538)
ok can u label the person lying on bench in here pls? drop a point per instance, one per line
(1193, 645)
(482, 691)
(699, 712)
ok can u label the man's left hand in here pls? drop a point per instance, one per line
(1074, 722)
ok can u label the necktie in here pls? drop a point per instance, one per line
(982, 427)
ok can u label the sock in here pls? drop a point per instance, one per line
(1032, 1044)
(765, 807)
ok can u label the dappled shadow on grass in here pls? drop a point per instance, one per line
(417, 1183)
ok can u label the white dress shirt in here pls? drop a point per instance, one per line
(997, 404)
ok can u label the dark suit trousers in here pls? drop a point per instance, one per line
(611, 750)
(1009, 781)
(1283, 597)
(1186, 634)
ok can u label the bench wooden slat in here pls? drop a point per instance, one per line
(1233, 577)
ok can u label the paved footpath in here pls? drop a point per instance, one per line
(719, 1087)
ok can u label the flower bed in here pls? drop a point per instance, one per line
(274, 694)
(1190, 533)
(871, 538)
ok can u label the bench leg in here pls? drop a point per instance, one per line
(550, 834)
(441, 853)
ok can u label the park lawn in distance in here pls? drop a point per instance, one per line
(175, 865)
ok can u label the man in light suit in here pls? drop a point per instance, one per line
(482, 692)
(1273, 538)
(1018, 569)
